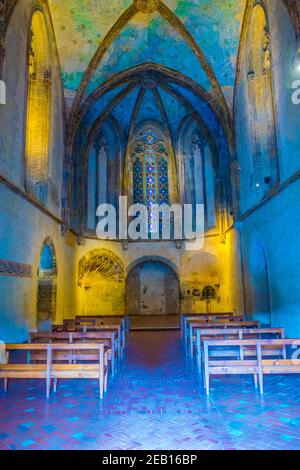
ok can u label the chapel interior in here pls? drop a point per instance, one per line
(169, 102)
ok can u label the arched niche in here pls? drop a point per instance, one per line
(261, 103)
(259, 304)
(101, 281)
(39, 109)
(47, 287)
(103, 173)
(152, 288)
(198, 170)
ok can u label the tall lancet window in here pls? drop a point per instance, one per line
(261, 104)
(38, 109)
(97, 179)
(102, 173)
(150, 174)
(199, 181)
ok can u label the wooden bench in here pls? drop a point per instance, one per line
(250, 357)
(287, 365)
(50, 370)
(237, 333)
(108, 338)
(193, 325)
(206, 319)
(102, 319)
(209, 317)
(96, 324)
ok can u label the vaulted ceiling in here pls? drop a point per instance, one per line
(172, 33)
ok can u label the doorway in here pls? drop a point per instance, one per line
(152, 288)
(47, 286)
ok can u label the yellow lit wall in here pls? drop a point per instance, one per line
(38, 105)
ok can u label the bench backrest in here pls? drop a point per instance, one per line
(243, 324)
(242, 348)
(241, 333)
(71, 337)
(208, 315)
(57, 352)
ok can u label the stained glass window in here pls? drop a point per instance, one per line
(150, 174)
(137, 181)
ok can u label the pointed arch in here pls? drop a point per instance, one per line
(261, 100)
(175, 22)
(39, 109)
(47, 286)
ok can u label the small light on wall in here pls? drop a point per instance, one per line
(296, 62)
(257, 185)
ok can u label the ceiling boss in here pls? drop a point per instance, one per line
(146, 6)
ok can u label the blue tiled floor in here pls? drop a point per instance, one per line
(155, 402)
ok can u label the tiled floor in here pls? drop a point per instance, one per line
(155, 402)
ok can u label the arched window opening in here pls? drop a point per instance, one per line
(103, 173)
(199, 175)
(38, 109)
(209, 293)
(261, 104)
(47, 274)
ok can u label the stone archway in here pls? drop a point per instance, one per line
(102, 283)
(259, 284)
(152, 289)
(47, 287)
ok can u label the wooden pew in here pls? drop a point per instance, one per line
(249, 356)
(221, 318)
(72, 326)
(239, 365)
(108, 338)
(90, 323)
(287, 365)
(114, 345)
(237, 333)
(117, 329)
(103, 319)
(193, 325)
(50, 370)
(209, 317)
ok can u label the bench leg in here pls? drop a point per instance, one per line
(261, 383)
(5, 384)
(101, 386)
(206, 369)
(105, 373)
(198, 352)
(206, 382)
(48, 387)
(105, 380)
(101, 371)
(185, 334)
(191, 345)
(255, 381)
(55, 385)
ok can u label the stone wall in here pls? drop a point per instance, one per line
(269, 227)
(24, 225)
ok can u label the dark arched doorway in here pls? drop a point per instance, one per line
(47, 274)
(259, 279)
(152, 288)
